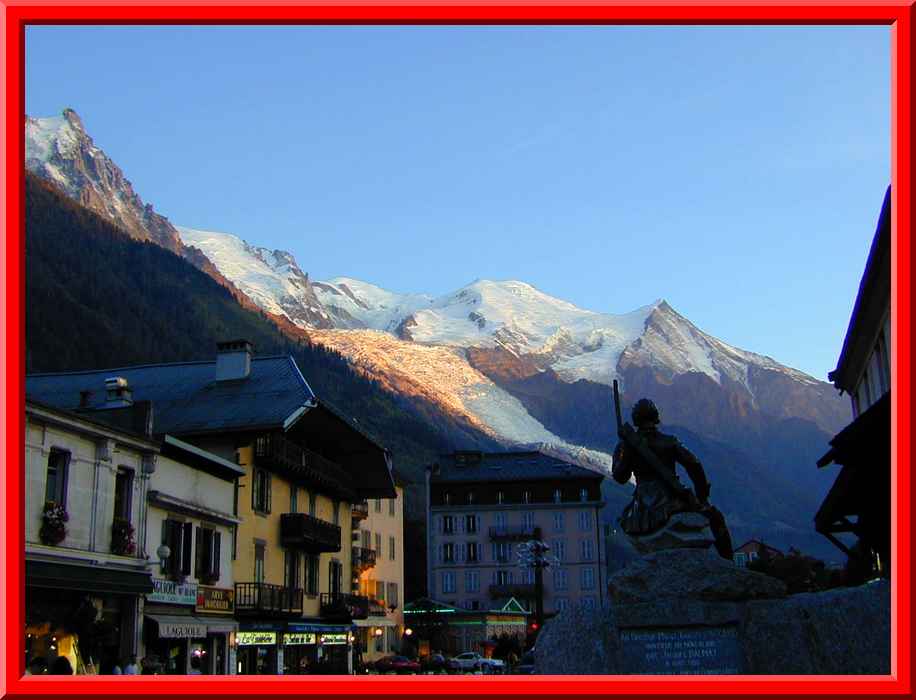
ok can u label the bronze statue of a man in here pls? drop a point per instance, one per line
(659, 496)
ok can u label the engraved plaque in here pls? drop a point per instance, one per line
(681, 651)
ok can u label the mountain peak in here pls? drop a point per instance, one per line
(74, 119)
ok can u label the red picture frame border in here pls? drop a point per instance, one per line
(16, 15)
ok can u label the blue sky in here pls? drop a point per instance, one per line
(737, 172)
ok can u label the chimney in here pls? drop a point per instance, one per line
(118, 394)
(233, 360)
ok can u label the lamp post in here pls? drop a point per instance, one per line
(163, 552)
(535, 554)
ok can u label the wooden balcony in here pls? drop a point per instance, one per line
(363, 559)
(344, 606)
(276, 453)
(268, 599)
(360, 511)
(518, 533)
(301, 531)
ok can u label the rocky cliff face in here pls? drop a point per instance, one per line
(58, 149)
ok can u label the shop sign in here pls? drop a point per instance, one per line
(247, 639)
(181, 630)
(165, 591)
(291, 638)
(334, 638)
(215, 600)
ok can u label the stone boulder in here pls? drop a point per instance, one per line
(689, 574)
(844, 631)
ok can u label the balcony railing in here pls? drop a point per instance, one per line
(519, 532)
(267, 598)
(301, 531)
(360, 510)
(363, 558)
(344, 606)
(276, 452)
(507, 590)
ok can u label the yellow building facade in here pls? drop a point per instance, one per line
(378, 556)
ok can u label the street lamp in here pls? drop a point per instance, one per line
(535, 554)
(163, 552)
(408, 632)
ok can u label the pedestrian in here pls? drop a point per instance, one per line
(195, 666)
(61, 667)
(130, 668)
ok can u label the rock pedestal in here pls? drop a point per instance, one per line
(688, 611)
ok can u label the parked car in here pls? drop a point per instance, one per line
(396, 664)
(525, 665)
(472, 661)
(433, 663)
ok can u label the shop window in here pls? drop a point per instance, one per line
(259, 562)
(124, 482)
(58, 473)
(176, 536)
(260, 494)
(207, 561)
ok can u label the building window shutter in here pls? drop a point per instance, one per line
(267, 475)
(186, 549)
(214, 569)
(199, 553)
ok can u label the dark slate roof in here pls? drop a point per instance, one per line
(186, 397)
(507, 466)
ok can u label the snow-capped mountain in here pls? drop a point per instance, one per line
(58, 149)
(520, 366)
(270, 278)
